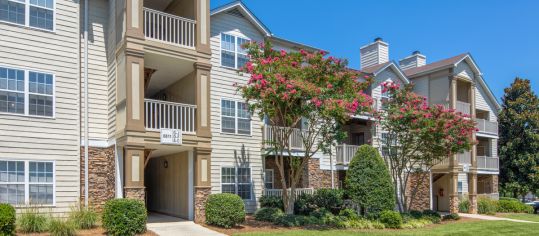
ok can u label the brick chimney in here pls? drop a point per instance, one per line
(374, 53)
(415, 60)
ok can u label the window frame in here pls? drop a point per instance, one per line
(236, 182)
(460, 187)
(27, 6)
(26, 84)
(236, 117)
(27, 182)
(272, 178)
(236, 51)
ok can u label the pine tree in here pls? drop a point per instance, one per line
(519, 139)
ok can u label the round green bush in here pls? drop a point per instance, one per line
(268, 214)
(272, 202)
(452, 216)
(7, 219)
(391, 219)
(368, 181)
(349, 214)
(330, 199)
(486, 206)
(305, 204)
(124, 217)
(512, 206)
(225, 210)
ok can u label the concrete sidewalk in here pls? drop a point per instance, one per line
(167, 225)
(485, 217)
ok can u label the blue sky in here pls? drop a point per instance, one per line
(502, 36)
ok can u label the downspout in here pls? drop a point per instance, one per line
(331, 169)
(86, 195)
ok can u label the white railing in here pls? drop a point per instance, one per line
(295, 141)
(279, 192)
(464, 107)
(493, 196)
(169, 28)
(169, 115)
(464, 158)
(345, 153)
(486, 126)
(487, 163)
(442, 164)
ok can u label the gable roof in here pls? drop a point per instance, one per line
(390, 65)
(239, 6)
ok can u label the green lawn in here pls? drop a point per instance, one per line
(471, 228)
(530, 217)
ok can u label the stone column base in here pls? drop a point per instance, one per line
(201, 196)
(135, 193)
(473, 203)
(453, 204)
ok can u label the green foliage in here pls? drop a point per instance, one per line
(368, 181)
(464, 206)
(452, 216)
(519, 139)
(416, 214)
(359, 224)
(268, 214)
(7, 219)
(60, 227)
(31, 221)
(486, 206)
(330, 199)
(416, 223)
(509, 199)
(433, 216)
(272, 202)
(124, 217)
(512, 206)
(83, 218)
(288, 220)
(391, 219)
(349, 214)
(305, 204)
(225, 210)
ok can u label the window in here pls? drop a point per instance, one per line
(232, 55)
(236, 181)
(268, 179)
(33, 13)
(387, 147)
(235, 117)
(36, 99)
(459, 187)
(26, 182)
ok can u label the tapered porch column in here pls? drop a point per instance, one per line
(134, 173)
(202, 77)
(453, 161)
(202, 184)
(472, 176)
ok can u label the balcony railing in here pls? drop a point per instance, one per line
(169, 28)
(486, 126)
(345, 153)
(169, 115)
(464, 107)
(487, 163)
(279, 192)
(493, 196)
(464, 158)
(294, 141)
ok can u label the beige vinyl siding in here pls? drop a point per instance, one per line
(421, 87)
(110, 45)
(56, 139)
(463, 177)
(464, 70)
(227, 148)
(439, 90)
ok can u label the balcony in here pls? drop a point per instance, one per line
(167, 28)
(169, 115)
(464, 158)
(345, 153)
(486, 126)
(488, 163)
(464, 107)
(279, 192)
(294, 141)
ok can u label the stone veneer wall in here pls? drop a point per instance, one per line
(101, 175)
(318, 178)
(201, 196)
(135, 193)
(421, 199)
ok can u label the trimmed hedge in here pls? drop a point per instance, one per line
(452, 216)
(391, 219)
(7, 219)
(512, 206)
(124, 217)
(268, 214)
(486, 206)
(225, 210)
(329, 199)
(272, 202)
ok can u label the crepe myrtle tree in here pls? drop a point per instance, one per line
(417, 137)
(303, 93)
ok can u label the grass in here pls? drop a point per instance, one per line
(469, 228)
(521, 216)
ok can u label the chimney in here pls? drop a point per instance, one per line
(415, 60)
(374, 53)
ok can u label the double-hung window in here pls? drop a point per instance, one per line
(232, 54)
(27, 182)
(388, 144)
(268, 179)
(235, 117)
(33, 13)
(236, 180)
(26, 92)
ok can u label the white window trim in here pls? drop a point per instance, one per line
(27, 16)
(27, 182)
(27, 92)
(236, 184)
(272, 177)
(235, 50)
(236, 101)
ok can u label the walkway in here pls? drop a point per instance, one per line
(167, 225)
(486, 217)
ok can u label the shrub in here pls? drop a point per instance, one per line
(7, 219)
(271, 202)
(83, 218)
(432, 216)
(287, 220)
(486, 206)
(124, 217)
(225, 210)
(324, 216)
(416, 214)
(416, 223)
(359, 224)
(30, 221)
(330, 199)
(268, 214)
(349, 214)
(464, 206)
(452, 216)
(59, 227)
(368, 181)
(513, 206)
(509, 199)
(391, 219)
(304, 204)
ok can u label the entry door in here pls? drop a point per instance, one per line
(357, 139)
